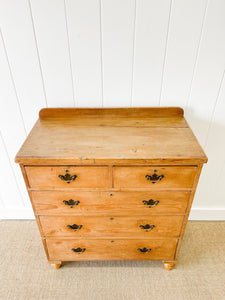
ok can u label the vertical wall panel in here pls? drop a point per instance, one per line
(16, 26)
(83, 18)
(62, 53)
(10, 193)
(212, 189)
(1, 201)
(51, 33)
(152, 18)
(12, 131)
(118, 18)
(209, 70)
(183, 40)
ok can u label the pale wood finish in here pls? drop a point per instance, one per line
(174, 177)
(32, 203)
(48, 177)
(110, 202)
(60, 139)
(56, 266)
(111, 249)
(85, 161)
(111, 151)
(198, 173)
(169, 265)
(51, 113)
(121, 121)
(111, 226)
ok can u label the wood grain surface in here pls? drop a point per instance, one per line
(111, 249)
(48, 177)
(127, 134)
(127, 186)
(109, 202)
(135, 177)
(111, 226)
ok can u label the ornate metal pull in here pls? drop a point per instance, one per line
(78, 250)
(74, 227)
(147, 227)
(67, 177)
(150, 202)
(154, 177)
(144, 250)
(71, 203)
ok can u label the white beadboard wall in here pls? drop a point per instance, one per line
(108, 53)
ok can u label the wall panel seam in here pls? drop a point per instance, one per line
(165, 53)
(14, 175)
(197, 54)
(213, 111)
(133, 55)
(13, 82)
(38, 55)
(69, 53)
(101, 50)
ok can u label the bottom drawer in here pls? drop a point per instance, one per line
(108, 249)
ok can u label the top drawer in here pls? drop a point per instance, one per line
(154, 177)
(67, 176)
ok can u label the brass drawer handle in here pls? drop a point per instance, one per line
(147, 227)
(154, 177)
(78, 250)
(150, 202)
(144, 250)
(74, 227)
(67, 177)
(71, 203)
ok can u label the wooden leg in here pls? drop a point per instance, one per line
(169, 265)
(56, 265)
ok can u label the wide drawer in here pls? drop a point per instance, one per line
(108, 249)
(119, 202)
(67, 176)
(89, 226)
(154, 177)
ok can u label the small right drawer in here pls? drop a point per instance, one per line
(154, 177)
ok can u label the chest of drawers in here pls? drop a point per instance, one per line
(111, 183)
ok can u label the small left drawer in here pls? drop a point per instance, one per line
(44, 177)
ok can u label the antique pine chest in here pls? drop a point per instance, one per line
(111, 183)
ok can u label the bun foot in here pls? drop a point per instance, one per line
(56, 265)
(169, 265)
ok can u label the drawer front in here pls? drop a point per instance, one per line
(119, 203)
(90, 226)
(67, 177)
(108, 249)
(154, 177)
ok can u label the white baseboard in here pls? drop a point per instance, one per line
(197, 214)
(207, 214)
(16, 213)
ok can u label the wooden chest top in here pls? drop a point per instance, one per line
(93, 136)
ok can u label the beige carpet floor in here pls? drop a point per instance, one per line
(199, 274)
